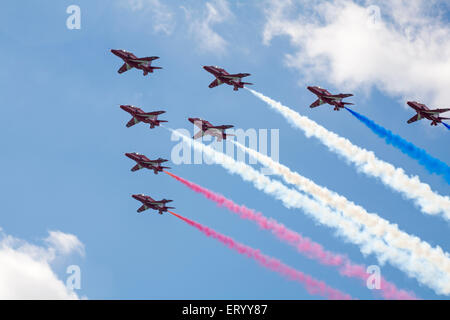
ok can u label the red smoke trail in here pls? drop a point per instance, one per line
(312, 285)
(304, 245)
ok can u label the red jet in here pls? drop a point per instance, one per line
(140, 116)
(144, 162)
(150, 203)
(131, 61)
(224, 77)
(326, 97)
(206, 128)
(423, 112)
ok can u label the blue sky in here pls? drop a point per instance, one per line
(64, 137)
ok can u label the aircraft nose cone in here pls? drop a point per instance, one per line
(125, 108)
(191, 120)
(129, 155)
(136, 196)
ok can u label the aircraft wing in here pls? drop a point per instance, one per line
(316, 103)
(136, 167)
(154, 113)
(341, 95)
(223, 127)
(157, 161)
(434, 111)
(237, 75)
(413, 119)
(132, 122)
(198, 135)
(124, 67)
(142, 208)
(147, 58)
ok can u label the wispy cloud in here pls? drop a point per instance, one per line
(160, 15)
(25, 268)
(201, 25)
(404, 50)
(65, 243)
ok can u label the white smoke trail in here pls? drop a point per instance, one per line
(374, 224)
(411, 188)
(425, 271)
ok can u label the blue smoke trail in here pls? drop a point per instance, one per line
(432, 164)
(446, 125)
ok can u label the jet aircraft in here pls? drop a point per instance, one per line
(326, 97)
(150, 203)
(140, 116)
(222, 76)
(206, 128)
(424, 112)
(131, 61)
(144, 162)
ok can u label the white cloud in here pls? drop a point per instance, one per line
(406, 53)
(65, 243)
(25, 269)
(201, 25)
(161, 16)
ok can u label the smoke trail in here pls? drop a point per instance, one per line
(446, 125)
(433, 165)
(304, 245)
(374, 224)
(410, 187)
(312, 285)
(430, 266)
